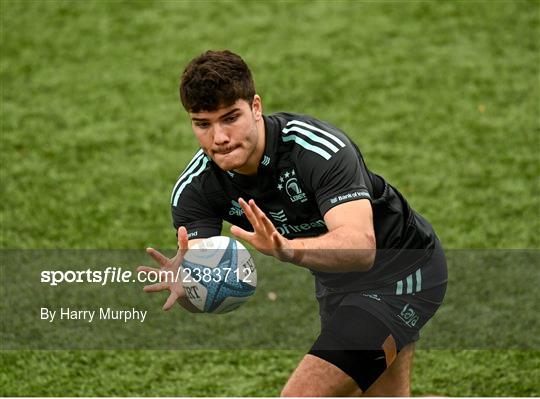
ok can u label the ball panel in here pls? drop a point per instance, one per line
(229, 304)
(218, 274)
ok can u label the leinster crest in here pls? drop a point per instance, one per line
(289, 184)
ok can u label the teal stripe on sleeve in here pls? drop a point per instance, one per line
(418, 280)
(409, 284)
(399, 287)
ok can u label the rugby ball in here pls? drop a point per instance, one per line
(218, 274)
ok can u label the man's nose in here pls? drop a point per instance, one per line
(220, 135)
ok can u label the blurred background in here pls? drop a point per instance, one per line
(441, 97)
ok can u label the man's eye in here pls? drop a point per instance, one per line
(231, 118)
(202, 125)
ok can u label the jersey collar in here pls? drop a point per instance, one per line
(268, 159)
(271, 134)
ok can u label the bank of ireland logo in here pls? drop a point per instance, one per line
(408, 316)
(278, 216)
(236, 209)
(373, 296)
(289, 183)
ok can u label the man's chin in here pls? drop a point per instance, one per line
(227, 164)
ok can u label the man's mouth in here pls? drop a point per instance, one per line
(225, 151)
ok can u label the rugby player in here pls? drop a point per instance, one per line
(298, 189)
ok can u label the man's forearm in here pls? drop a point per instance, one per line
(340, 250)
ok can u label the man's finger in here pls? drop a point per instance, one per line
(261, 218)
(182, 240)
(270, 228)
(170, 301)
(265, 222)
(158, 257)
(241, 233)
(249, 213)
(156, 287)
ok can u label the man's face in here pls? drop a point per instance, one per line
(229, 135)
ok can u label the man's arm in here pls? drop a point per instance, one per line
(349, 245)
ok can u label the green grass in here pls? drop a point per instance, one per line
(244, 373)
(442, 98)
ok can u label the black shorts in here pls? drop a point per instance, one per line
(362, 331)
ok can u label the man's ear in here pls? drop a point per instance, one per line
(256, 106)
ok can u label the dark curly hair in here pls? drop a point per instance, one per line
(215, 79)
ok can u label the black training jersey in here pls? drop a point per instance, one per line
(308, 167)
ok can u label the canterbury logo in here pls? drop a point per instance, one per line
(312, 138)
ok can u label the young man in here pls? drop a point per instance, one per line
(298, 189)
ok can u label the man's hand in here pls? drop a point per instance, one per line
(168, 271)
(265, 238)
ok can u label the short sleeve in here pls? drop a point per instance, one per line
(338, 175)
(192, 210)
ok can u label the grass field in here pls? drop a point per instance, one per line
(442, 98)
